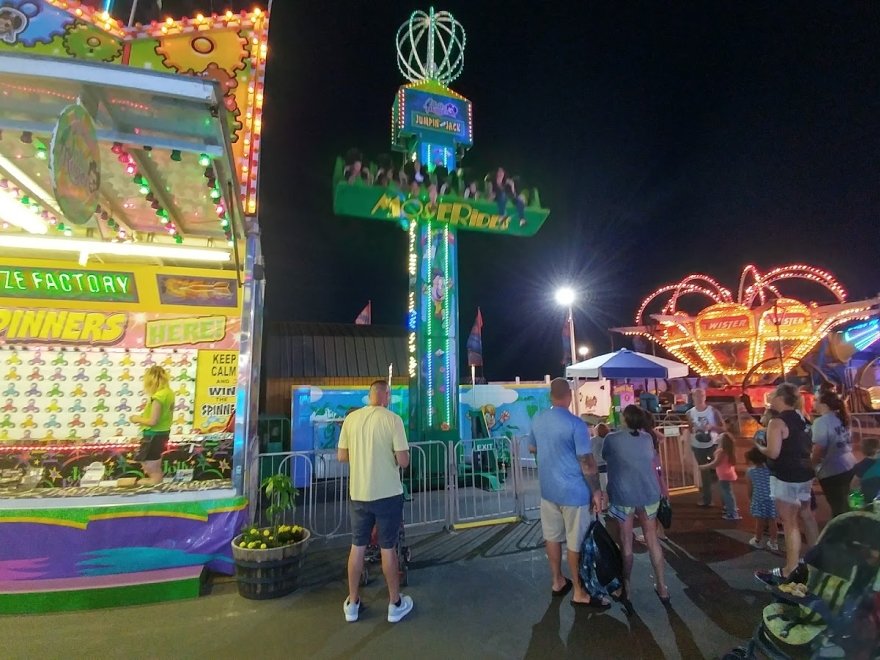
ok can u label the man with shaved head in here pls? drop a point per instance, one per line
(374, 444)
(569, 480)
(705, 426)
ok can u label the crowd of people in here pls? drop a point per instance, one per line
(791, 451)
(415, 178)
(586, 472)
(615, 477)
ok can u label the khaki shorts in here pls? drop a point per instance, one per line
(565, 524)
(792, 493)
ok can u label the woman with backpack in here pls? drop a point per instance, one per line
(634, 492)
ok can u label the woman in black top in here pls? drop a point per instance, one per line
(788, 449)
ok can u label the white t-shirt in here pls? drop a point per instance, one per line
(372, 435)
(701, 421)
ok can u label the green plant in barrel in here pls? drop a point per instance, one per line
(280, 492)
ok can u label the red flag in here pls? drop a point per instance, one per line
(366, 315)
(475, 342)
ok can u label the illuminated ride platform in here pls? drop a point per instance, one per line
(763, 331)
(128, 238)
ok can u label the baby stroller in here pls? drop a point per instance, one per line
(836, 615)
(373, 555)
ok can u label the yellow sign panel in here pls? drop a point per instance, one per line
(62, 326)
(138, 288)
(185, 331)
(216, 380)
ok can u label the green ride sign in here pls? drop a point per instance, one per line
(378, 203)
(66, 284)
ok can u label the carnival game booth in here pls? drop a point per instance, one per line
(128, 238)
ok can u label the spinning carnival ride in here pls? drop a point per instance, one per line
(433, 125)
(762, 330)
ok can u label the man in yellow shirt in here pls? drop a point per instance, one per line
(374, 444)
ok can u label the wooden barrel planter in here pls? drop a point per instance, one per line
(270, 573)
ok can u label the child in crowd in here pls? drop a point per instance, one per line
(597, 440)
(867, 471)
(724, 464)
(762, 507)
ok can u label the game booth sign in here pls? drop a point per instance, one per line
(128, 238)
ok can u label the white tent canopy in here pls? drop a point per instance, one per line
(627, 364)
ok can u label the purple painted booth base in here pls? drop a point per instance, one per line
(114, 554)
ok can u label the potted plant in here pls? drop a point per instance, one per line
(268, 559)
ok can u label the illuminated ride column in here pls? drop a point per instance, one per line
(432, 126)
(433, 325)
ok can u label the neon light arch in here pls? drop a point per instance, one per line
(732, 337)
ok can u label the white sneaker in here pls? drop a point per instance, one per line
(755, 543)
(772, 547)
(397, 612)
(352, 611)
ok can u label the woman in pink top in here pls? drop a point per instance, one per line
(724, 464)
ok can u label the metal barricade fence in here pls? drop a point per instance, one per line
(485, 482)
(426, 485)
(446, 484)
(322, 485)
(679, 467)
(864, 425)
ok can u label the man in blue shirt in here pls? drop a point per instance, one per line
(569, 479)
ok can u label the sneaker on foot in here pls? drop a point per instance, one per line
(772, 578)
(772, 547)
(401, 609)
(755, 543)
(731, 516)
(352, 610)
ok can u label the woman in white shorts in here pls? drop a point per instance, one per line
(791, 478)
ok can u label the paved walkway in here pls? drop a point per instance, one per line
(480, 593)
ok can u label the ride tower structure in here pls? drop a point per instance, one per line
(432, 126)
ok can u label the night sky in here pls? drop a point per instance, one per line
(666, 138)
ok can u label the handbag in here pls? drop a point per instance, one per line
(664, 513)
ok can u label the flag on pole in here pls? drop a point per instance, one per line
(366, 315)
(566, 342)
(475, 342)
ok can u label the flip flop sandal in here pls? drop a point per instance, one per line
(558, 593)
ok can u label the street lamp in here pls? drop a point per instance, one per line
(565, 296)
(583, 351)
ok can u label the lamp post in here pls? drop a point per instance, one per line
(565, 296)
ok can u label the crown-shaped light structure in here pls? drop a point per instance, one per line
(760, 330)
(430, 46)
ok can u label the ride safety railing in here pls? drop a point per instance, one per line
(447, 484)
(864, 425)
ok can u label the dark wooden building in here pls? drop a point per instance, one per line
(327, 354)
